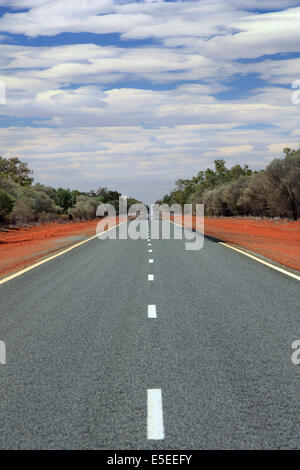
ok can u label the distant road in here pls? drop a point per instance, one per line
(106, 350)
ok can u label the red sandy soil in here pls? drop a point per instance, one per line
(21, 248)
(278, 240)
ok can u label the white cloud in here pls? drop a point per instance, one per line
(90, 63)
(276, 71)
(211, 27)
(105, 132)
(143, 162)
(276, 149)
(234, 150)
(184, 105)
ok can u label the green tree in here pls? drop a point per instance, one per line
(65, 199)
(85, 208)
(51, 192)
(284, 177)
(233, 192)
(23, 210)
(6, 204)
(255, 195)
(16, 170)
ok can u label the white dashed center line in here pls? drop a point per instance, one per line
(152, 311)
(155, 424)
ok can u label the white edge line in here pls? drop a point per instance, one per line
(276, 268)
(155, 425)
(33, 266)
(261, 261)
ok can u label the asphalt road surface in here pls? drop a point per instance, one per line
(102, 355)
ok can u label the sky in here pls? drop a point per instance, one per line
(133, 95)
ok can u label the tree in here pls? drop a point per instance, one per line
(42, 203)
(65, 199)
(256, 194)
(85, 208)
(236, 171)
(23, 210)
(6, 204)
(232, 196)
(16, 170)
(51, 192)
(111, 196)
(214, 202)
(220, 170)
(284, 177)
(192, 190)
(12, 188)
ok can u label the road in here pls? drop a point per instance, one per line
(209, 368)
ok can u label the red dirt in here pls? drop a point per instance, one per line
(21, 248)
(277, 240)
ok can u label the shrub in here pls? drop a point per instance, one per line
(23, 210)
(6, 204)
(85, 208)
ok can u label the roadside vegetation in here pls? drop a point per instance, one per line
(22, 202)
(239, 191)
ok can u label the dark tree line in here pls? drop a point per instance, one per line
(21, 201)
(238, 191)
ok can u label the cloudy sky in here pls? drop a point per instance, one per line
(135, 94)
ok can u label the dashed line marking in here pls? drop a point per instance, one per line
(150, 277)
(155, 423)
(150, 261)
(152, 311)
(150, 251)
